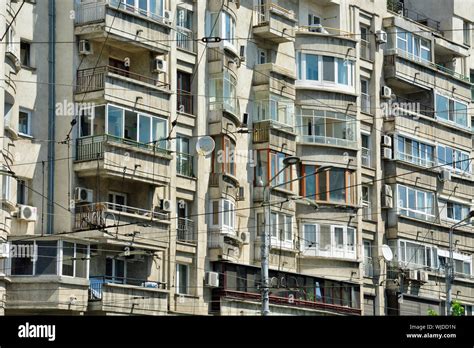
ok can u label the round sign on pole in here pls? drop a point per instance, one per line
(205, 145)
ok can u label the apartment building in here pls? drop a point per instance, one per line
(346, 123)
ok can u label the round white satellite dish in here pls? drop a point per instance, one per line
(205, 145)
(387, 253)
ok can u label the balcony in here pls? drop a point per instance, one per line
(108, 155)
(410, 74)
(344, 252)
(368, 267)
(365, 105)
(400, 8)
(273, 78)
(127, 296)
(185, 231)
(124, 25)
(274, 135)
(108, 83)
(274, 23)
(185, 39)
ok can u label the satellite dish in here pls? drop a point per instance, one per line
(205, 145)
(387, 253)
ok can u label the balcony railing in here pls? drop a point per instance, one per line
(97, 284)
(186, 230)
(263, 13)
(317, 139)
(93, 147)
(95, 11)
(318, 28)
(93, 79)
(423, 162)
(366, 157)
(97, 214)
(399, 8)
(368, 267)
(365, 103)
(185, 101)
(365, 50)
(184, 164)
(185, 39)
(366, 210)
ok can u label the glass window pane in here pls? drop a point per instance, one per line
(81, 260)
(339, 237)
(312, 69)
(68, 259)
(47, 258)
(22, 254)
(115, 121)
(99, 120)
(337, 185)
(328, 69)
(442, 107)
(342, 71)
(130, 131)
(160, 130)
(309, 235)
(145, 129)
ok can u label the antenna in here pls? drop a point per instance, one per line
(205, 145)
(387, 253)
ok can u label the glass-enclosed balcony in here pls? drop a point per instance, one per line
(326, 127)
(274, 108)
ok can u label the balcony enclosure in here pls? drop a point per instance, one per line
(223, 92)
(184, 30)
(326, 127)
(274, 22)
(271, 107)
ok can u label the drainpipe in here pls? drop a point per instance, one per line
(51, 112)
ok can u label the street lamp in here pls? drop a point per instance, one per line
(449, 268)
(288, 161)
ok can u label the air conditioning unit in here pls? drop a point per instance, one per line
(165, 205)
(413, 274)
(83, 195)
(245, 237)
(4, 250)
(381, 36)
(423, 276)
(85, 47)
(386, 140)
(27, 213)
(445, 175)
(168, 16)
(160, 65)
(386, 92)
(387, 153)
(317, 28)
(212, 279)
(242, 53)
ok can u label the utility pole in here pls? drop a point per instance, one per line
(265, 251)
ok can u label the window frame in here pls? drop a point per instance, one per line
(416, 212)
(334, 251)
(178, 278)
(220, 214)
(28, 125)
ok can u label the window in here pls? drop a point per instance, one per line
(462, 262)
(184, 18)
(184, 161)
(273, 107)
(416, 255)
(25, 54)
(24, 122)
(364, 96)
(325, 69)
(182, 279)
(467, 33)
(367, 202)
(184, 93)
(335, 185)
(150, 8)
(368, 262)
(455, 160)
(223, 27)
(224, 160)
(327, 127)
(118, 200)
(456, 211)
(329, 241)
(223, 92)
(75, 259)
(261, 56)
(450, 110)
(269, 164)
(222, 214)
(416, 203)
(7, 185)
(22, 192)
(415, 152)
(413, 46)
(10, 37)
(365, 51)
(281, 230)
(366, 153)
(116, 270)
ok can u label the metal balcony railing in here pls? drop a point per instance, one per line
(96, 285)
(184, 164)
(365, 50)
(93, 147)
(185, 101)
(263, 13)
(365, 103)
(400, 8)
(366, 157)
(186, 230)
(93, 79)
(185, 39)
(368, 266)
(423, 162)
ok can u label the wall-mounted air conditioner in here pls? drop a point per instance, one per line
(83, 195)
(27, 213)
(381, 36)
(212, 279)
